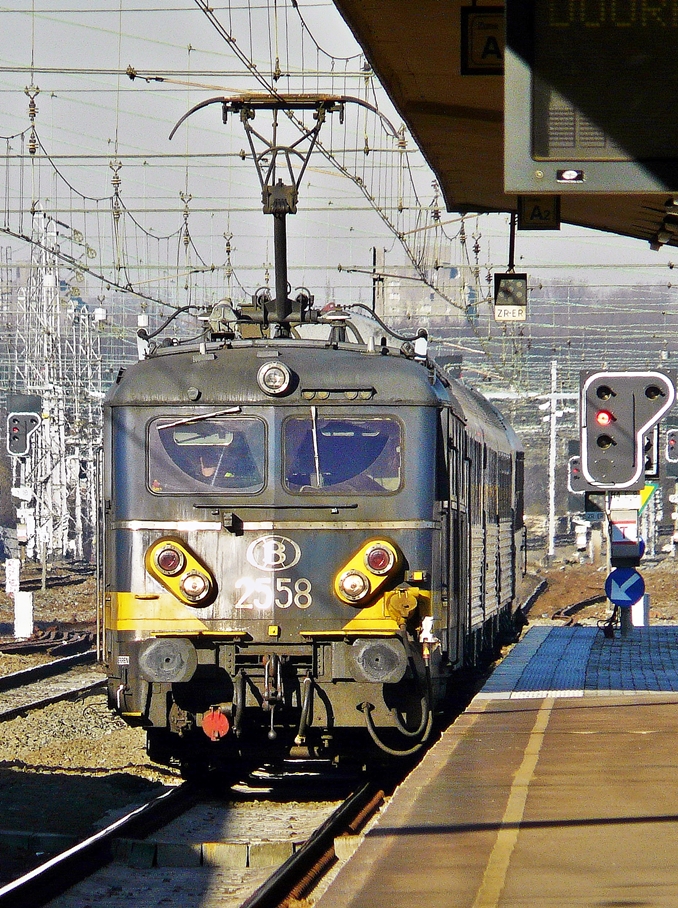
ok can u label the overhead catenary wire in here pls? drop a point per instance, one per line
(381, 176)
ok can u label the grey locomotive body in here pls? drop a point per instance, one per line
(303, 539)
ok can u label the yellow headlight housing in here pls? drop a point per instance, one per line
(172, 564)
(367, 571)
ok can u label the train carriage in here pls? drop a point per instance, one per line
(304, 539)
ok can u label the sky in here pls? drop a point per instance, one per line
(190, 228)
(88, 107)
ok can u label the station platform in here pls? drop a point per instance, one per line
(558, 786)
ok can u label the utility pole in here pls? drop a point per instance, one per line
(57, 358)
(552, 405)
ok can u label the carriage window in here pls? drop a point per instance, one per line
(342, 455)
(211, 454)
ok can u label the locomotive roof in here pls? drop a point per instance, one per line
(484, 422)
(228, 375)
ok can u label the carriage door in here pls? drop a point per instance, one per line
(443, 553)
(457, 540)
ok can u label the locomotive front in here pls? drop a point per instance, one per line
(271, 548)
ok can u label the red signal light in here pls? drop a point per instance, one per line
(379, 559)
(170, 560)
(604, 418)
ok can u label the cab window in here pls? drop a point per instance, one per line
(203, 455)
(341, 454)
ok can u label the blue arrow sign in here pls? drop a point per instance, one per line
(624, 586)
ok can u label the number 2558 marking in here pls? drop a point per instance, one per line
(265, 592)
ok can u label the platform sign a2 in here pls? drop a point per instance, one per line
(538, 212)
(624, 586)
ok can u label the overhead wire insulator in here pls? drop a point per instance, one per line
(32, 92)
(116, 179)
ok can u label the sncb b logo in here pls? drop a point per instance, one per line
(273, 553)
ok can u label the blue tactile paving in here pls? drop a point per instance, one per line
(581, 661)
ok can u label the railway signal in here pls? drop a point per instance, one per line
(618, 411)
(23, 419)
(672, 445)
(510, 297)
(651, 453)
(575, 481)
(20, 427)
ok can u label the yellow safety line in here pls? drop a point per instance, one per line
(500, 858)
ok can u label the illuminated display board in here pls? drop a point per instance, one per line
(590, 97)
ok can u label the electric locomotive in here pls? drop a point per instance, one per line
(305, 538)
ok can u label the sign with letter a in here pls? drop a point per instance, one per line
(483, 40)
(538, 212)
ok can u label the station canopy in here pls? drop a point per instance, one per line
(444, 73)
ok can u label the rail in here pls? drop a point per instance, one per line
(299, 874)
(37, 887)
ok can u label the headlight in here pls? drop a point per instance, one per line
(195, 585)
(274, 378)
(354, 585)
(374, 567)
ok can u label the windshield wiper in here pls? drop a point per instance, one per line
(190, 419)
(316, 452)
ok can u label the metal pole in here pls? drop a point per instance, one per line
(98, 540)
(552, 461)
(374, 278)
(282, 309)
(625, 623)
(512, 242)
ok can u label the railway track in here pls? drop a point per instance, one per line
(566, 613)
(53, 643)
(37, 687)
(129, 859)
(299, 875)
(39, 886)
